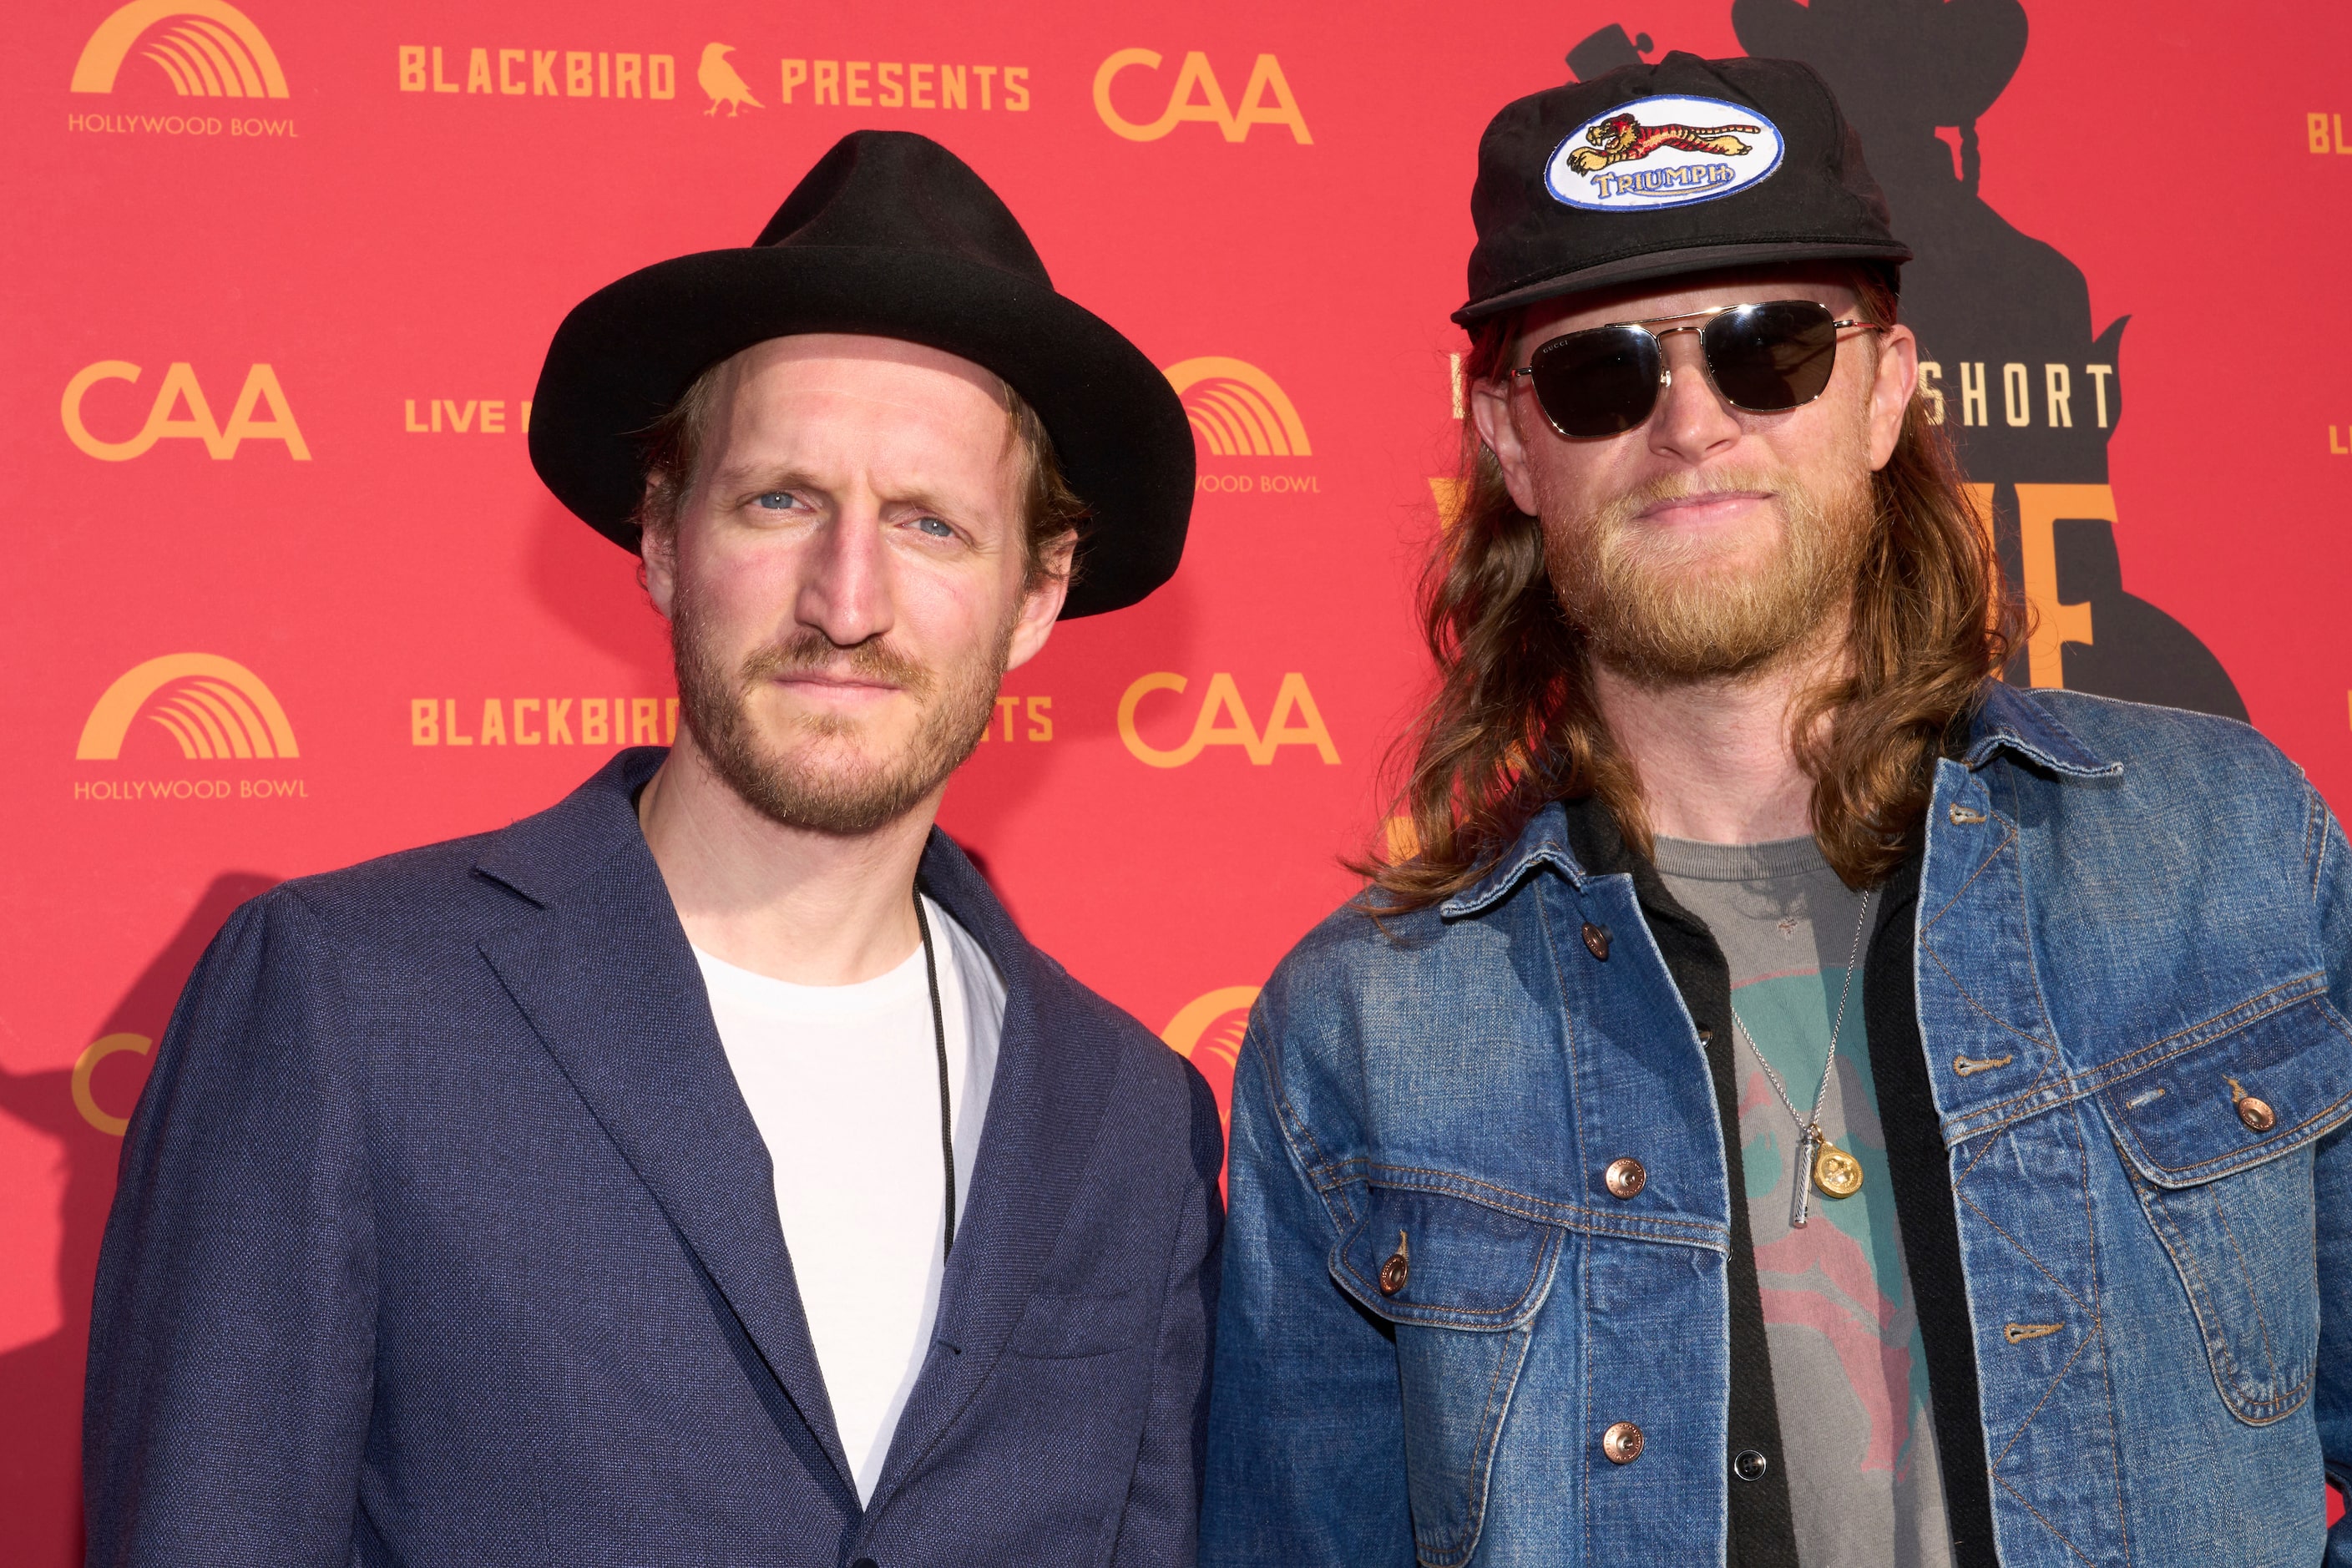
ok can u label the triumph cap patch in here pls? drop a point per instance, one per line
(1662, 152)
(1664, 170)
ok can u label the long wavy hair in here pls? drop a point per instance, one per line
(1515, 724)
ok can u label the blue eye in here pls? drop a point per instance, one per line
(774, 501)
(935, 528)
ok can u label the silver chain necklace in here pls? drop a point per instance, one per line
(1820, 1162)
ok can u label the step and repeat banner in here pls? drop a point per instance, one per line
(285, 593)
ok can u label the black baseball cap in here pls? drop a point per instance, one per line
(1653, 171)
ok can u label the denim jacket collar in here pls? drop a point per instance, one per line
(2008, 720)
(1544, 840)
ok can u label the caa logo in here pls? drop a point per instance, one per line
(214, 52)
(1237, 410)
(86, 1068)
(212, 707)
(179, 389)
(1627, 159)
(1197, 97)
(1293, 721)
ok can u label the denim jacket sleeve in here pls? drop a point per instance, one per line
(1307, 1464)
(2331, 874)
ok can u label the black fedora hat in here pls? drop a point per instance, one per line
(890, 235)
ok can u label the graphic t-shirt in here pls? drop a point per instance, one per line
(844, 1084)
(1849, 1373)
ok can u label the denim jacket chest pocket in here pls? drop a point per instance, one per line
(1460, 1283)
(2218, 1140)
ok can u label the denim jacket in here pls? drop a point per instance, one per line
(2133, 933)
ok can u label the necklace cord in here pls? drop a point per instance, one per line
(939, 1039)
(1820, 1094)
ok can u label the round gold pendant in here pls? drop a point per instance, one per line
(1836, 1173)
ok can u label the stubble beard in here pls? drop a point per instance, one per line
(1661, 609)
(811, 776)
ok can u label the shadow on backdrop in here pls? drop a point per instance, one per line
(40, 1383)
(589, 585)
(2031, 393)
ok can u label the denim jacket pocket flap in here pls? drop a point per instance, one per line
(2234, 1101)
(1460, 1283)
(2218, 1138)
(1439, 1261)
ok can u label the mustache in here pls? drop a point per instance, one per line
(1669, 487)
(811, 651)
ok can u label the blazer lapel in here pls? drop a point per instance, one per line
(604, 974)
(1042, 1110)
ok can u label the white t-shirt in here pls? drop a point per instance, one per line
(844, 1082)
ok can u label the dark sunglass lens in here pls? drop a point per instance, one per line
(1766, 358)
(1596, 383)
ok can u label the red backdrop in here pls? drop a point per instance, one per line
(287, 593)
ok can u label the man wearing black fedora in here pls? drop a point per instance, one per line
(706, 1170)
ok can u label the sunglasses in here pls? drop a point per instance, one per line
(1765, 358)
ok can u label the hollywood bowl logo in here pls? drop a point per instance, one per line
(1237, 410)
(1207, 1031)
(213, 51)
(213, 709)
(1623, 159)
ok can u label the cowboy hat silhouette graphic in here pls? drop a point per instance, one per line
(1982, 294)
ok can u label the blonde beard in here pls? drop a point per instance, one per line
(809, 785)
(1661, 608)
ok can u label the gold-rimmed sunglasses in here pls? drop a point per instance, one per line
(1765, 358)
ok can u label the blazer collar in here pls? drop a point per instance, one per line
(1055, 1067)
(551, 851)
(604, 971)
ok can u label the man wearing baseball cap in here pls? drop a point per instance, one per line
(706, 1170)
(1799, 1100)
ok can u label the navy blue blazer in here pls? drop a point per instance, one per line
(445, 1236)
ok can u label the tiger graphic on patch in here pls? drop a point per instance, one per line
(1622, 138)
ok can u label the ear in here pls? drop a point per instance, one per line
(1897, 377)
(1041, 606)
(1495, 413)
(658, 565)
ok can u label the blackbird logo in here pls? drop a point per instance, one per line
(722, 82)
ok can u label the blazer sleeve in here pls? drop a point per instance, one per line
(1161, 1522)
(232, 1335)
(1306, 1424)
